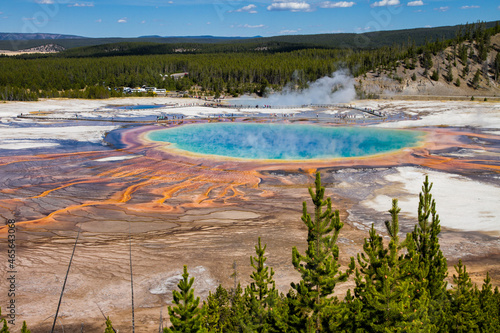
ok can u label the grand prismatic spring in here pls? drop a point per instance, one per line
(284, 142)
(174, 203)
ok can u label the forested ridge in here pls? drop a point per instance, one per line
(368, 40)
(400, 285)
(228, 68)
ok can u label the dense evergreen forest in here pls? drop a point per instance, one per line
(101, 71)
(401, 285)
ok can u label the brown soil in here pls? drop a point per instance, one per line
(174, 210)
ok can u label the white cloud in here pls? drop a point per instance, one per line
(82, 4)
(382, 3)
(45, 2)
(339, 4)
(208, 23)
(123, 20)
(248, 26)
(415, 3)
(290, 6)
(98, 20)
(288, 31)
(442, 9)
(143, 21)
(367, 28)
(247, 9)
(469, 7)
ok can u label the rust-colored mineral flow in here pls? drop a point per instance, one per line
(206, 212)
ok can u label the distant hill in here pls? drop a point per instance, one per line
(206, 37)
(371, 40)
(36, 36)
(365, 41)
(15, 45)
(47, 48)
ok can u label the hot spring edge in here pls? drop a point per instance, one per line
(284, 141)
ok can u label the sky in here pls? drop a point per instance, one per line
(129, 18)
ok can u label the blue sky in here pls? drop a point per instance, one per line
(128, 18)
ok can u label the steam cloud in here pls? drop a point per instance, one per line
(338, 88)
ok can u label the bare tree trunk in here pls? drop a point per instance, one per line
(131, 276)
(64, 284)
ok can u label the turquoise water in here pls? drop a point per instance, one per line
(139, 107)
(284, 142)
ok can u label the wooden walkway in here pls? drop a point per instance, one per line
(171, 117)
(372, 112)
(85, 119)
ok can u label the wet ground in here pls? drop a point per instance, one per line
(173, 209)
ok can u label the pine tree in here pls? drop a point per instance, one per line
(432, 267)
(109, 326)
(427, 60)
(462, 52)
(497, 67)
(349, 315)
(382, 284)
(319, 266)
(464, 309)
(211, 314)
(298, 318)
(417, 319)
(217, 310)
(261, 294)
(238, 320)
(370, 279)
(185, 316)
(25, 329)
(465, 71)
(435, 75)
(5, 328)
(489, 308)
(476, 79)
(496, 297)
(449, 73)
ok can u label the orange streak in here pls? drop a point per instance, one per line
(45, 193)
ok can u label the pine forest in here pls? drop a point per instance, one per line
(247, 67)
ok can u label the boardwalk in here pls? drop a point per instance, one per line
(372, 112)
(311, 112)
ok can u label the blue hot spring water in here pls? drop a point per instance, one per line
(139, 107)
(285, 142)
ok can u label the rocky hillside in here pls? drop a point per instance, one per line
(456, 71)
(48, 48)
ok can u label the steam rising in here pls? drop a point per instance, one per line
(278, 141)
(338, 88)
